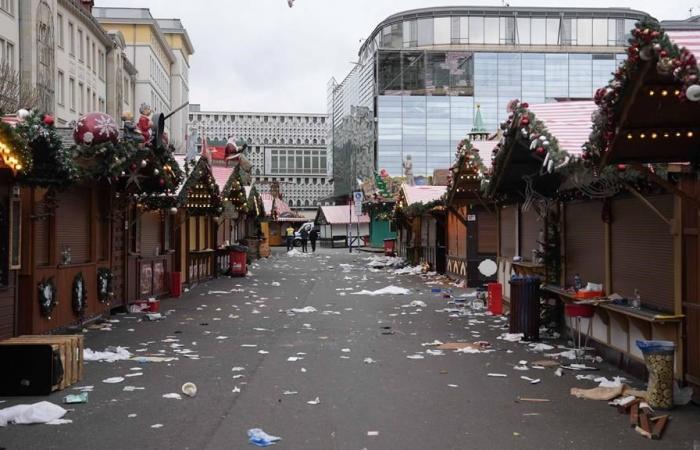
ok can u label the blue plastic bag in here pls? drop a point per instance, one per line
(653, 347)
(261, 439)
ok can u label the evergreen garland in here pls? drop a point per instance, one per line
(15, 152)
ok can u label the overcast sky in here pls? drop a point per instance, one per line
(260, 55)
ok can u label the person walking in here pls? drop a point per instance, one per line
(313, 237)
(304, 239)
(290, 237)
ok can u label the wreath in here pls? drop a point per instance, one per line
(104, 285)
(47, 297)
(79, 294)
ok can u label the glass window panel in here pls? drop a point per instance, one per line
(600, 32)
(556, 76)
(612, 31)
(523, 31)
(389, 72)
(533, 66)
(580, 73)
(414, 73)
(491, 34)
(476, 30)
(585, 32)
(410, 34)
(464, 30)
(454, 32)
(314, 160)
(486, 88)
(392, 36)
(300, 164)
(461, 66)
(568, 32)
(538, 32)
(441, 30)
(425, 32)
(629, 26)
(290, 163)
(603, 67)
(509, 80)
(507, 30)
(323, 164)
(437, 79)
(552, 31)
(283, 163)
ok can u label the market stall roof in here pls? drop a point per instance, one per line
(569, 122)
(335, 215)
(473, 160)
(649, 112)
(422, 194)
(221, 175)
(280, 205)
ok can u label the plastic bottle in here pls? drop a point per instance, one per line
(636, 300)
(578, 284)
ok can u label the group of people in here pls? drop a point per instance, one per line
(306, 236)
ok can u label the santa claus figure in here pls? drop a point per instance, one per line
(145, 124)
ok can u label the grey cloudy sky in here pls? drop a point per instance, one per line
(260, 55)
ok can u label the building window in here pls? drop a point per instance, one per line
(59, 23)
(71, 38)
(59, 88)
(8, 6)
(71, 93)
(81, 93)
(94, 58)
(81, 45)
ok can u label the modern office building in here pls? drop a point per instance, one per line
(289, 149)
(423, 74)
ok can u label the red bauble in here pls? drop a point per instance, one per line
(541, 151)
(48, 120)
(132, 167)
(161, 182)
(586, 155)
(95, 128)
(524, 121)
(525, 105)
(621, 167)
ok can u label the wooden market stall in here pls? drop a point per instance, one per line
(199, 205)
(418, 211)
(279, 216)
(649, 114)
(339, 224)
(256, 229)
(10, 229)
(471, 220)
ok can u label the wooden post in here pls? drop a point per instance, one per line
(608, 257)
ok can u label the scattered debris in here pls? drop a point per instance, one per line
(113, 380)
(369, 361)
(41, 412)
(304, 310)
(72, 399)
(315, 401)
(389, 290)
(373, 433)
(531, 380)
(110, 354)
(533, 400)
(174, 396)
(257, 436)
(416, 356)
(497, 375)
(189, 389)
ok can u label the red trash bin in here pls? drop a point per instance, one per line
(238, 261)
(495, 298)
(175, 284)
(389, 245)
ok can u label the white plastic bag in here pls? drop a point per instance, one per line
(41, 412)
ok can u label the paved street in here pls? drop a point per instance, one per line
(438, 402)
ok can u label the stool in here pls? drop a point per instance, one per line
(577, 312)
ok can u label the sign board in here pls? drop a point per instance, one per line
(358, 197)
(471, 218)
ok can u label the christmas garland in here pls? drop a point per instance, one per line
(382, 210)
(52, 165)
(79, 302)
(199, 176)
(47, 297)
(467, 160)
(104, 285)
(234, 192)
(648, 43)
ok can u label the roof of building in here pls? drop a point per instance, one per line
(221, 175)
(280, 205)
(336, 215)
(422, 194)
(498, 11)
(89, 19)
(485, 149)
(130, 16)
(174, 26)
(569, 122)
(689, 39)
(691, 23)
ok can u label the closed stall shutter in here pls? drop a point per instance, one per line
(42, 228)
(585, 242)
(530, 226)
(150, 234)
(642, 251)
(507, 231)
(486, 229)
(73, 224)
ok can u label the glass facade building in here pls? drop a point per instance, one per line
(428, 71)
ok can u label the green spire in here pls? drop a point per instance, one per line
(478, 126)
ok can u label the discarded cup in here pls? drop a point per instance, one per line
(189, 389)
(75, 398)
(260, 438)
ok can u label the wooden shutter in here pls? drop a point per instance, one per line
(150, 233)
(41, 227)
(73, 224)
(584, 242)
(507, 231)
(530, 226)
(486, 231)
(642, 251)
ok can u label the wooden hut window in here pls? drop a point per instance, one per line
(530, 227)
(150, 234)
(642, 251)
(73, 232)
(508, 231)
(486, 232)
(584, 244)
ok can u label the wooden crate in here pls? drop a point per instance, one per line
(31, 369)
(71, 351)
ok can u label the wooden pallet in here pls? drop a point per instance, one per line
(70, 348)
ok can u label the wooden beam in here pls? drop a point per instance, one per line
(458, 214)
(643, 199)
(670, 187)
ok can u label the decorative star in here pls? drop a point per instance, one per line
(134, 176)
